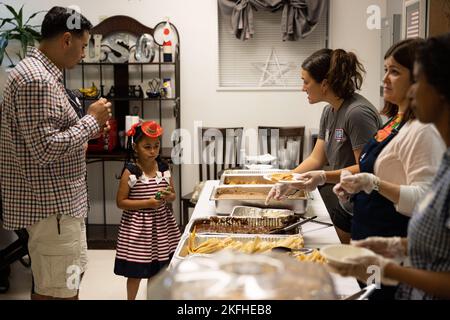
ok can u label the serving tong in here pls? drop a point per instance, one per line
(292, 226)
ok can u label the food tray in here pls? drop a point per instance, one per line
(182, 250)
(243, 225)
(228, 197)
(244, 211)
(254, 172)
(244, 177)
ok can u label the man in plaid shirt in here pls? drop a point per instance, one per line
(42, 154)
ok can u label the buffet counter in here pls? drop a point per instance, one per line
(315, 235)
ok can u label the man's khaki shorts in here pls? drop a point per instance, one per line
(58, 255)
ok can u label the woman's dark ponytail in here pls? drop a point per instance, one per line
(345, 75)
(342, 70)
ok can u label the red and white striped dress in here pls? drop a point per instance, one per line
(147, 237)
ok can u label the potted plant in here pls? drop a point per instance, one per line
(21, 30)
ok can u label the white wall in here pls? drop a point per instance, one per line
(200, 101)
(348, 30)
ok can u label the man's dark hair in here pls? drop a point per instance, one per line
(59, 20)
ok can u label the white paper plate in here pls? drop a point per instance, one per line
(339, 253)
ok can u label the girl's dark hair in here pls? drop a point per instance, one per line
(341, 69)
(433, 57)
(59, 20)
(130, 161)
(403, 53)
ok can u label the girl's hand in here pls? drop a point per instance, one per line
(166, 194)
(154, 203)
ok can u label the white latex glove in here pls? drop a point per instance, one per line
(362, 268)
(278, 192)
(311, 180)
(391, 247)
(339, 191)
(360, 182)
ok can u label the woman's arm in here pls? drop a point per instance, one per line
(420, 152)
(335, 175)
(435, 283)
(126, 204)
(316, 160)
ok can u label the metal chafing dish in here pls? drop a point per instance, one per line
(182, 250)
(227, 197)
(244, 177)
(255, 212)
(243, 225)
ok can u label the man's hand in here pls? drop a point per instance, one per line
(101, 111)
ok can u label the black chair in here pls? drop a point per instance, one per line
(219, 149)
(272, 139)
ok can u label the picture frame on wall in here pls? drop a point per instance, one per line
(414, 22)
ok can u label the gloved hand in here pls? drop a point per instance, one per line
(342, 194)
(311, 180)
(391, 247)
(360, 182)
(363, 267)
(278, 192)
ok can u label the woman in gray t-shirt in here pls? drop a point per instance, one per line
(347, 123)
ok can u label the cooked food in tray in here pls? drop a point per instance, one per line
(245, 225)
(314, 256)
(232, 193)
(251, 193)
(239, 180)
(248, 245)
(276, 177)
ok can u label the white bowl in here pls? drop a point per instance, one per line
(339, 253)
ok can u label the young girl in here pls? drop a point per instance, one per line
(148, 233)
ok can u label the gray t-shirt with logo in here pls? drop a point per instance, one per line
(350, 128)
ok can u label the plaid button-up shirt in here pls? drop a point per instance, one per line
(42, 156)
(429, 232)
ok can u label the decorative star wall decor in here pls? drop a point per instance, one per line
(272, 70)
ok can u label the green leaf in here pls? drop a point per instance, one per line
(33, 32)
(15, 36)
(20, 20)
(14, 13)
(34, 15)
(4, 21)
